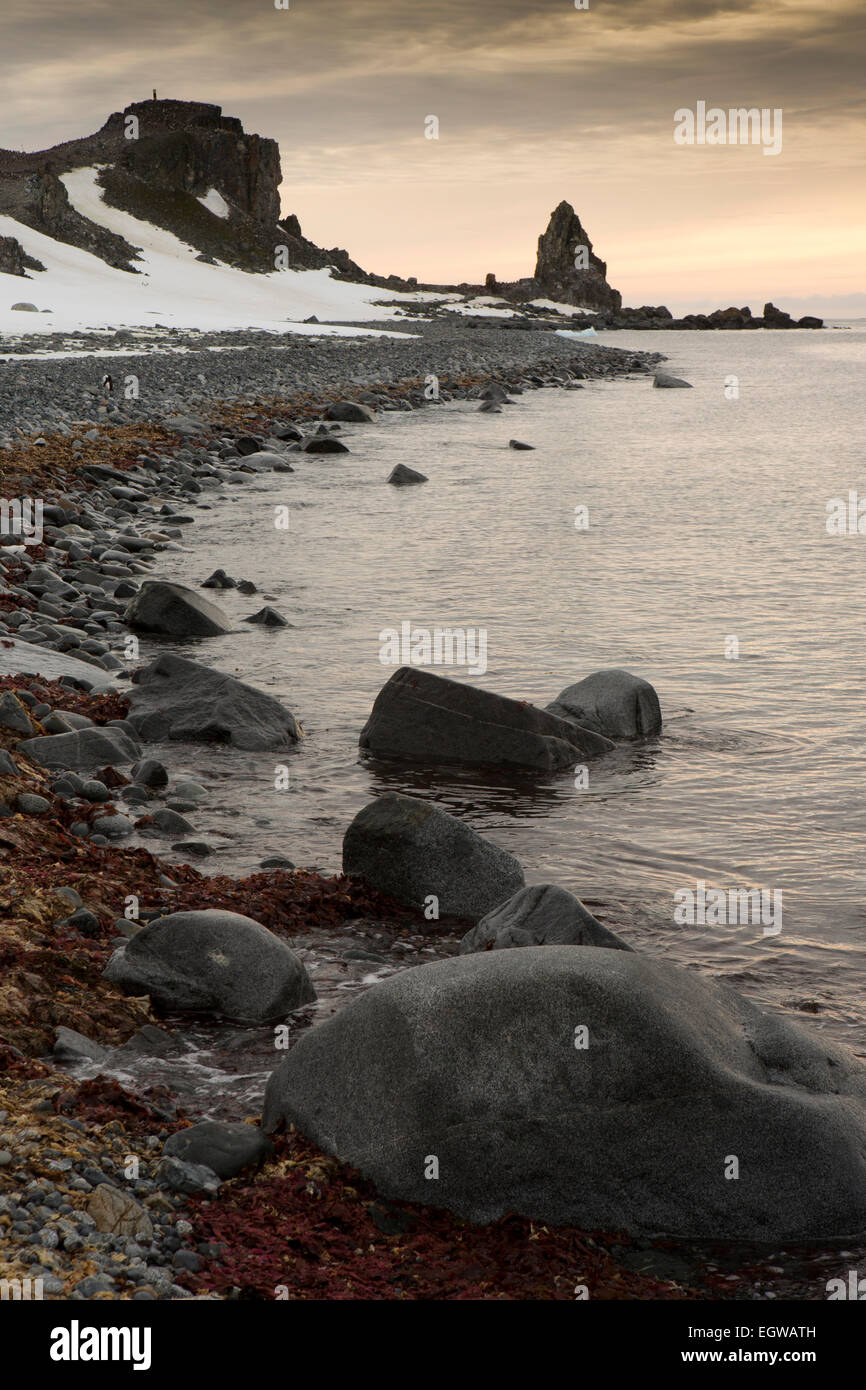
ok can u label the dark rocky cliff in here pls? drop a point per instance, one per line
(157, 159)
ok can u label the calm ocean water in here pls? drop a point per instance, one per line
(707, 522)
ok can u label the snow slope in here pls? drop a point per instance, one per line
(172, 288)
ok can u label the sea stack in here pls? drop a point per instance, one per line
(567, 269)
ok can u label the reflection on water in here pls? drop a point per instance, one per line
(707, 523)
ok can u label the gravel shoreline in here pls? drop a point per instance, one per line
(41, 395)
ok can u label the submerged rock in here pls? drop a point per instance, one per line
(199, 704)
(219, 580)
(404, 476)
(594, 1088)
(422, 717)
(664, 379)
(324, 444)
(612, 702)
(150, 773)
(267, 617)
(213, 961)
(543, 915)
(70, 1046)
(409, 849)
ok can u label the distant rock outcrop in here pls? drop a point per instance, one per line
(567, 269)
(660, 318)
(14, 259)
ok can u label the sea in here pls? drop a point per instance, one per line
(705, 539)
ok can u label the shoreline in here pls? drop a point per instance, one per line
(70, 957)
(295, 373)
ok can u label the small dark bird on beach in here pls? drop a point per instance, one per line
(108, 384)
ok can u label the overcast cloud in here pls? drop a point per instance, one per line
(536, 102)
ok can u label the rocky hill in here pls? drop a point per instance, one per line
(158, 160)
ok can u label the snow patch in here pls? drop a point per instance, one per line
(555, 307)
(214, 201)
(482, 306)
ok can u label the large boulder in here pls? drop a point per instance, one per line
(82, 750)
(174, 611)
(14, 260)
(595, 1088)
(197, 704)
(411, 850)
(611, 702)
(213, 961)
(422, 717)
(543, 915)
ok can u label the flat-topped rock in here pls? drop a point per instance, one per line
(419, 716)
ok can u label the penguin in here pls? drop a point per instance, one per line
(108, 384)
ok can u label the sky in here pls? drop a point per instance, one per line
(536, 101)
